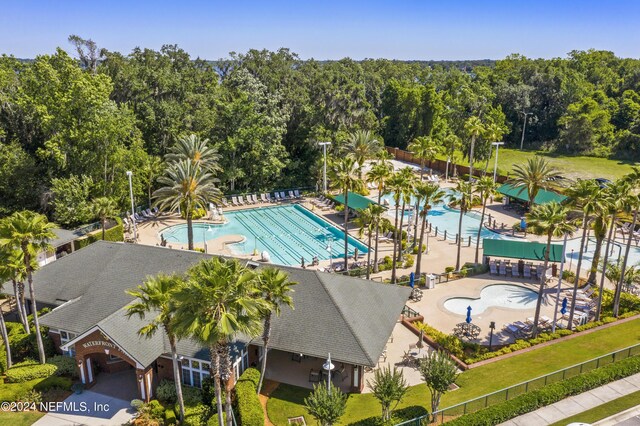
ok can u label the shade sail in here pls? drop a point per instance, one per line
(521, 250)
(522, 194)
(356, 201)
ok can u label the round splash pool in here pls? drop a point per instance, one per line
(495, 295)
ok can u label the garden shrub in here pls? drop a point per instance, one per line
(53, 382)
(170, 417)
(408, 263)
(555, 392)
(66, 365)
(29, 370)
(196, 415)
(3, 359)
(115, 233)
(449, 269)
(387, 264)
(31, 397)
(24, 346)
(415, 249)
(150, 414)
(249, 408)
(166, 391)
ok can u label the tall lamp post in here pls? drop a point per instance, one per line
(524, 126)
(495, 164)
(555, 311)
(324, 172)
(135, 232)
(328, 366)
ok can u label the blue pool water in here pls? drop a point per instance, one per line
(496, 295)
(287, 233)
(446, 219)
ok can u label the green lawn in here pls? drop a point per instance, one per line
(25, 418)
(570, 166)
(603, 411)
(286, 401)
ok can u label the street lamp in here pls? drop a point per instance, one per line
(555, 311)
(329, 240)
(135, 232)
(524, 126)
(324, 173)
(328, 366)
(495, 165)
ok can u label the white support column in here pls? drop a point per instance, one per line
(149, 390)
(89, 370)
(81, 366)
(142, 391)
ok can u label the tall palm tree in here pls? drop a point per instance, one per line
(186, 187)
(633, 179)
(363, 145)
(600, 225)
(426, 149)
(461, 197)
(584, 196)
(474, 128)
(345, 176)
(149, 172)
(532, 176)
(487, 188)
(451, 144)
(493, 132)
(553, 220)
(275, 288)
(431, 194)
(12, 267)
(379, 174)
(31, 233)
(407, 193)
(5, 275)
(617, 201)
(220, 301)
(104, 208)
(396, 185)
(156, 298)
(198, 151)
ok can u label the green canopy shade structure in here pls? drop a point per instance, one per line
(522, 194)
(356, 201)
(521, 250)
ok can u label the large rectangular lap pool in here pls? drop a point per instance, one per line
(287, 233)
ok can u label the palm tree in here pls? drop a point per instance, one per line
(451, 143)
(186, 187)
(368, 220)
(617, 200)
(407, 192)
(550, 219)
(31, 233)
(345, 176)
(156, 297)
(363, 145)
(379, 174)
(487, 188)
(474, 128)
(493, 132)
(426, 149)
(196, 150)
(532, 176)
(5, 275)
(275, 288)
(103, 208)
(584, 196)
(431, 194)
(12, 267)
(149, 172)
(220, 301)
(396, 184)
(461, 197)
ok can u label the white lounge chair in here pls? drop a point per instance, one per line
(254, 198)
(277, 196)
(263, 198)
(291, 196)
(527, 271)
(234, 201)
(503, 269)
(297, 193)
(224, 202)
(282, 195)
(493, 268)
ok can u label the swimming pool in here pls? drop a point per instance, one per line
(287, 233)
(494, 295)
(446, 219)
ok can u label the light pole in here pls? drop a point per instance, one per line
(329, 240)
(324, 172)
(495, 164)
(524, 126)
(555, 312)
(329, 367)
(135, 232)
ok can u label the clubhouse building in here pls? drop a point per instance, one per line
(350, 318)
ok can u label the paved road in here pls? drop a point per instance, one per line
(89, 408)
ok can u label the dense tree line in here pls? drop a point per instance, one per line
(70, 128)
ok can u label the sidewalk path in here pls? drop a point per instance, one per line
(578, 403)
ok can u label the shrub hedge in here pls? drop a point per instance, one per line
(53, 382)
(112, 234)
(66, 365)
(29, 370)
(533, 400)
(250, 410)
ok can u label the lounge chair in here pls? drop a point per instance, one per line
(297, 193)
(283, 196)
(493, 268)
(527, 271)
(155, 211)
(254, 198)
(234, 201)
(512, 329)
(268, 197)
(224, 202)
(503, 269)
(277, 196)
(138, 218)
(263, 198)
(291, 196)
(127, 225)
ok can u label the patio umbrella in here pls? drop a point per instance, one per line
(468, 320)
(412, 278)
(563, 310)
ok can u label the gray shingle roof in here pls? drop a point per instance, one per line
(64, 236)
(349, 317)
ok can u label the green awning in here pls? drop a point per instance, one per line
(522, 194)
(520, 250)
(356, 201)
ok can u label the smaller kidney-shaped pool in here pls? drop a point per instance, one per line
(495, 295)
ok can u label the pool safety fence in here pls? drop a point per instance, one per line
(484, 401)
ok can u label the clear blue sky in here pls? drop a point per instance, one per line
(328, 29)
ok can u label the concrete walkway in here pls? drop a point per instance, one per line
(89, 408)
(578, 403)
